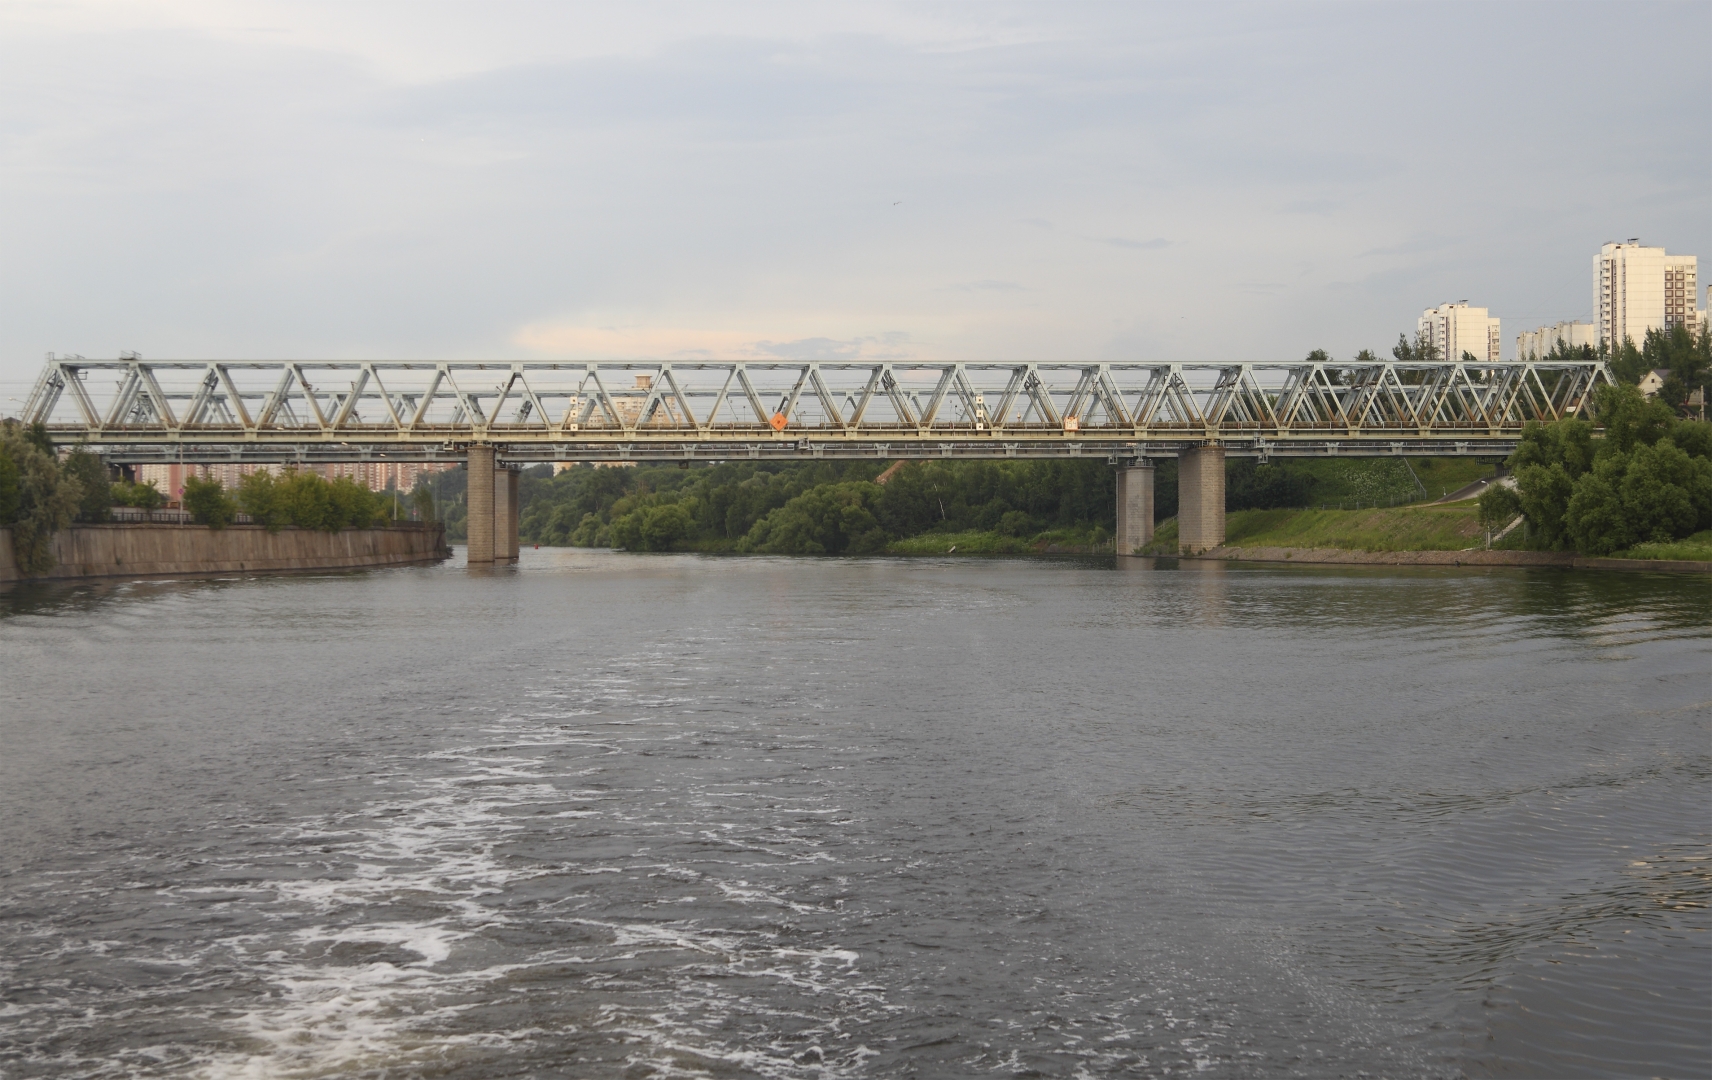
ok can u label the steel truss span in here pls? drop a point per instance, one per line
(328, 410)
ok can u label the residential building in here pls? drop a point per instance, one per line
(1653, 381)
(1638, 288)
(169, 479)
(1454, 329)
(1544, 340)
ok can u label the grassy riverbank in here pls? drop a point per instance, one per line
(1431, 527)
(975, 542)
(1691, 548)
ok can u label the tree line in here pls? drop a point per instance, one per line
(860, 507)
(1648, 480)
(810, 507)
(303, 500)
(42, 493)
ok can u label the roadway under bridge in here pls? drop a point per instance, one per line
(499, 415)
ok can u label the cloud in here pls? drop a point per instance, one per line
(442, 180)
(1138, 245)
(989, 286)
(593, 342)
(889, 346)
(581, 341)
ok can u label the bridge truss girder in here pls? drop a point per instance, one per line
(244, 410)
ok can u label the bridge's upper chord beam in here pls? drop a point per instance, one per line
(133, 402)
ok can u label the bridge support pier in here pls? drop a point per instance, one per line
(1135, 507)
(1200, 499)
(481, 505)
(505, 483)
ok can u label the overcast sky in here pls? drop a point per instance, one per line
(972, 181)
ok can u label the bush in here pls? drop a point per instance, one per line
(143, 496)
(1016, 523)
(207, 502)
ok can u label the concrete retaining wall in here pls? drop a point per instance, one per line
(135, 550)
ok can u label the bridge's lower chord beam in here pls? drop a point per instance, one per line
(786, 451)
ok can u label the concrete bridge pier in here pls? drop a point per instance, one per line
(1135, 507)
(480, 503)
(1200, 499)
(505, 484)
(493, 509)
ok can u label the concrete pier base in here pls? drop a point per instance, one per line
(1135, 508)
(1200, 499)
(481, 506)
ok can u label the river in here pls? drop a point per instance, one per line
(608, 815)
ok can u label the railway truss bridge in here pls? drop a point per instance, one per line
(500, 415)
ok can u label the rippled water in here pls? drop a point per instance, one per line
(611, 815)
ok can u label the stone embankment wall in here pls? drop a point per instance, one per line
(127, 550)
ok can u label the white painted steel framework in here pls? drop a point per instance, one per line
(331, 410)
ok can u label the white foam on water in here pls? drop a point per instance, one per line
(395, 961)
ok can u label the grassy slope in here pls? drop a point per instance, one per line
(1451, 527)
(1384, 480)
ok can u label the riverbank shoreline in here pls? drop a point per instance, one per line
(1340, 556)
(92, 552)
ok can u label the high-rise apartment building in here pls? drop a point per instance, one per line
(1544, 340)
(1454, 329)
(1638, 288)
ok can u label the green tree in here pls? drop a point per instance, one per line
(1685, 355)
(1499, 505)
(36, 435)
(1627, 364)
(207, 502)
(1648, 479)
(830, 519)
(353, 506)
(259, 497)
(1419, 351)
(9, 480)
(1547, 462)
(423, 500)
(47, 500)
(96, 498)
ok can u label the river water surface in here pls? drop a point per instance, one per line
(607, 815)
